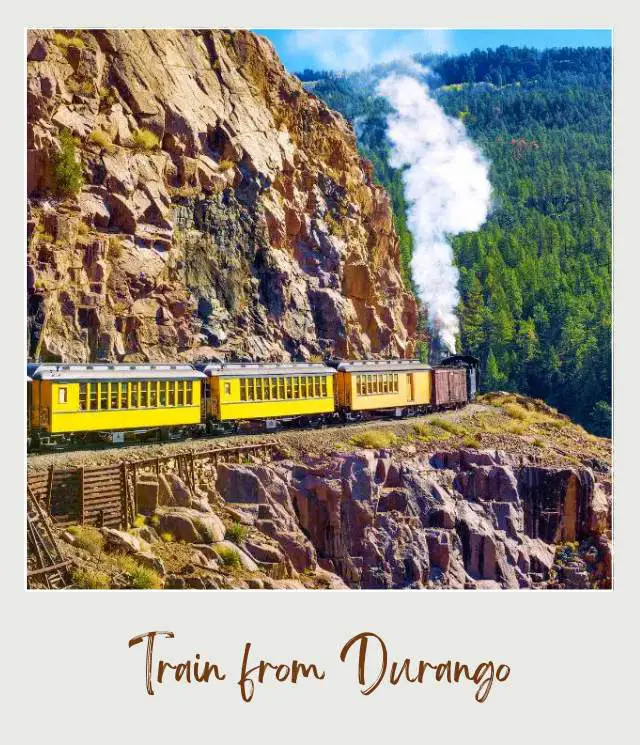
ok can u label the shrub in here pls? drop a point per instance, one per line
(145, 139)
(102, 139)
(375, 439)
(229, 557)
(89, 539)
(225, 165)
(471, 442)
(516, 411)
(139, 521)
(448, 426)
(115, 247)
(142, 578)
(67, 172)
(64, 41)
(167, 537)
(538, 443)
(236, 533)
(89, 579)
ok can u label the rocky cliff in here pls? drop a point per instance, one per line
(506, 493)
(222, 211)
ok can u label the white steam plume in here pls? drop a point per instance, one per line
(447, 189)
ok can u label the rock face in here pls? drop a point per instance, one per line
(460, 519)
(224, 211)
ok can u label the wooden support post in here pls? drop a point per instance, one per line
(81, 495)
(49, 487)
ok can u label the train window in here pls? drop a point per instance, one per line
(317, 392)
(303, 387)
(62, 395)
(324, 386)
(153, 393)
(162, 393)
(113, 398)
(172, 393)
(243, 389)
(296, 386)
(124, 396)
(83, 396)
(189, 393)
(181, 393)
(289, 386)
(274, 388)
(104, 395)
(396, 387)
(134, 395)
(257, 383)
(144, 394)
(227, 389)
(310, 386)
(267, 389)
(358, 385)
(250, 394)
(93, 396)
(281, 389)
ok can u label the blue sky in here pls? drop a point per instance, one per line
(353, 49)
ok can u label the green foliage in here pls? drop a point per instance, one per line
(236, 533)
(67, 172)
(375, 439)
(535, 281)
(142, 578)
(447, 425)
(102, 139)
(89, 539)
(229, 557)
(89, 579)
(145, 139)
(64, 42)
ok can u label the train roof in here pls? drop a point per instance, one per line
(465, 359)
(263, 369)
(377, 366)
(106, 371)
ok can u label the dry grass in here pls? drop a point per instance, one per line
(142, 578)
(90, 579)
(89, 539)
(229, 557)
(448, 426)
(64, 42)
(102, 139)
(375, 439)
(236, 533)
(226, 165)
(145, 139)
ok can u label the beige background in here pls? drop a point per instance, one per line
(67, 674)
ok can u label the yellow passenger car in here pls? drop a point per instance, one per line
(368, 385)
(237, 392)
(114, 398)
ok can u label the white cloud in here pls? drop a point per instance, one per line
(357, 49)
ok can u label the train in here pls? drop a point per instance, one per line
(72, 404)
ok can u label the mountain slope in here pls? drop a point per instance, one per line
(187, 198)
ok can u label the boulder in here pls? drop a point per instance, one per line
(173, 491)
(151, 561)
(121, 542)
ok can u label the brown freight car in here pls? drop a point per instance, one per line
(449, 386)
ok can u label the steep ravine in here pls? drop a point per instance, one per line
(225, 211)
